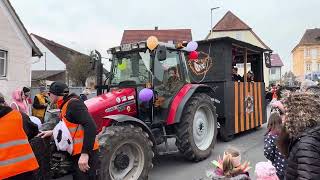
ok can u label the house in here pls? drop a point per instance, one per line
(306, 54)
(232, 26)
(16, 51)
(163, 35)
(53, 65)
(275, 73)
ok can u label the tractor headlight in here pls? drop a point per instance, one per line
(134, 46)
(142, 45)
(117, 49)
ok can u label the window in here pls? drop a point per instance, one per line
(3, 63)
(314, 53)
(238, 36)
(308, 67)
(273, 70)
(306, 52)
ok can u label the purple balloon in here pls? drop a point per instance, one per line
(145, 95)
(192, 46)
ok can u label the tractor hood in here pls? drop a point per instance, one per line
(121, 101)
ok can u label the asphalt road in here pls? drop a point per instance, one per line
(175, 167)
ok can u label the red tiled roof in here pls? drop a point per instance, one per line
(311, 37)
(176, 35)
(276, 60)
(230, 22)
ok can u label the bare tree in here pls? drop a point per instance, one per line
(79, 69)
(289, 79)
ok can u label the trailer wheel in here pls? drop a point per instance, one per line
(197, 130)
(125, 153)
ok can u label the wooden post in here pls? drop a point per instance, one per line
(245, 65)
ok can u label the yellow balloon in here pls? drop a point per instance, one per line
(152, 42)
(122, 66)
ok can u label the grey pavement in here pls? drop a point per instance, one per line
(175, 167)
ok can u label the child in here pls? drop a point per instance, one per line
(266, 171)
(271, 151)
(230, 167)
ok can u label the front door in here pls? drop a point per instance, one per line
(167, 81)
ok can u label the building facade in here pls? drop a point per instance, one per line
(16, 51)
(306, 55)
(232, 26)
(275, 72)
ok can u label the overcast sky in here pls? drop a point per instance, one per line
(98, 24)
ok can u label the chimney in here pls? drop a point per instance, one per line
(156, 28)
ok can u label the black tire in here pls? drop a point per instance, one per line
(117, 137)
(185, 138)
(224, 136)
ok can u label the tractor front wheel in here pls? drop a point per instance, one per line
(197, 130)
(125, 153)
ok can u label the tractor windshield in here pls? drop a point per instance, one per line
(134, 66)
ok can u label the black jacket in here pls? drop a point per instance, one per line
(77, 113)
(272, 153)
(304, 156)
(29, 127)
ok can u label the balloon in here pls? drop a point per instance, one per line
(122, 66)
(152, 42)
(145, 95)
(193, 55)
(192, 46)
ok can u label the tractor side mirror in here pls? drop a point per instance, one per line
(161, 53)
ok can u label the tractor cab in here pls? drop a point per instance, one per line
(134, 68)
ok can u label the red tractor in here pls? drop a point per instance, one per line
(131, 127)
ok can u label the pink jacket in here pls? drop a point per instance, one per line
(18, 102)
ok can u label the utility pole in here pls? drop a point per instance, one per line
(45, 60)
(211, 20)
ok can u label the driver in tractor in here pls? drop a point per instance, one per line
(82, 128)
(172, 85)
(173, 80)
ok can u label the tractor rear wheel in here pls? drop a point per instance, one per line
(125, 153)
(197, 130)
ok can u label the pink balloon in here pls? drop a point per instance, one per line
(145, 95)
(193, 55)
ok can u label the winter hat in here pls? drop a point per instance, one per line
(266, 171)
(59, 89)
(25, 89)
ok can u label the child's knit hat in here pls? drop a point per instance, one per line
(266, 171)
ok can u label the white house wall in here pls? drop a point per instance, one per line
(276, 76)
(52, 61)
(244, 35)
(19, 54)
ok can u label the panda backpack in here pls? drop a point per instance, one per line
(62, 137)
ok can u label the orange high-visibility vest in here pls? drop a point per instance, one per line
(16, 155)
(76, 131)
